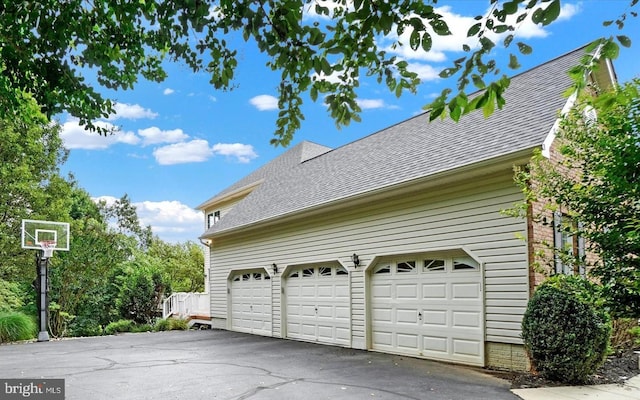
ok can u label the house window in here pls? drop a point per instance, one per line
(569, 248)
(212, 218)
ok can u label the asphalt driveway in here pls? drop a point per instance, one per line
(212, 364)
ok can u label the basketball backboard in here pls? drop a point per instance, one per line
(35, 232)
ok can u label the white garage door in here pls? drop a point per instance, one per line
(430, 308)
(251, 302)
(317, 304)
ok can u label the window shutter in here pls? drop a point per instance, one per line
(557, 241)
(581, 249)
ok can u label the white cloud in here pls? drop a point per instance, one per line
(528, 30)
(568, 11)
(367, 104)
(264, 102)
(131, 111)
(425, 71)
(458, 25)
(181, 153)
(109, 200)
(242, 152)
(168, 91)
(75, 136)
(155, 135)
(171, 220)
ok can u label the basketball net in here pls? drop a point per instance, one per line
(47, 248)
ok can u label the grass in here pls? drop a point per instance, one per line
(16, 326)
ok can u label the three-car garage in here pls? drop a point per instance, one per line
(418, 305)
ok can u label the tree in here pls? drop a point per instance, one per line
(142, 288)
(49, 48)
(183, 263)
(598, 182)
(30, 185)
(82, 279)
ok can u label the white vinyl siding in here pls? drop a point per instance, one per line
(454, 216)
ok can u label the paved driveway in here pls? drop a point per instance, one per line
(213, 364)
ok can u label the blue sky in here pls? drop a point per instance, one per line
(180, 142)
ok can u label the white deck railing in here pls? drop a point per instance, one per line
(186, 305)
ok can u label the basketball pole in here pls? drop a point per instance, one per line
(42, 263)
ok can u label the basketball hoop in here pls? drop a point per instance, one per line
(47, 248)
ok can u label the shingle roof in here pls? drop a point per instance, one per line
(409, 150)
(294, 156)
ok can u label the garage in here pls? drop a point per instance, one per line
(428, 307)
(251, 302)
(317, 304)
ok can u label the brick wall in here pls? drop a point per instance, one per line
(541, 232)
(506, 357)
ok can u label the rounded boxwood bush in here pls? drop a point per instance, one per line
(123, 325)
(16, 326)
(564, 333)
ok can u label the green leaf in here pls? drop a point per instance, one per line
(551, 13)
(521, 17)
(507, 41)
(524, 48)
(440, 27)
(624, 40)
(427, 42)
(478, 82)
(610, 50)
(455, 112)
(436, 112)
(414, 40)
(489, 106)
(537, 16)
(447, 72)
(513, 62)
(510, 7)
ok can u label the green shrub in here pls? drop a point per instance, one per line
(16, 326)
(10, 296)
(564, 333)
(142, 328)
(163, 325)
(85, 327)
(177, 324)
(123, 325)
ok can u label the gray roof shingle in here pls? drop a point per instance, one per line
(408, 150)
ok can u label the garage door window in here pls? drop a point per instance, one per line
(465, 264)
(325, 271)
(382, 269)
(405, 267)
(433, 265)
(307, 273)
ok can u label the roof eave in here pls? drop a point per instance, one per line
(243, 191)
